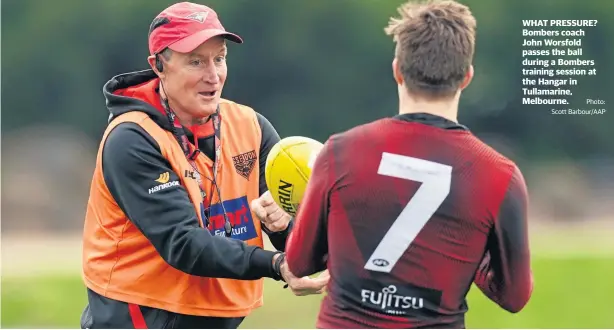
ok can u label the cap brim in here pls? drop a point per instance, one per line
(191, 42)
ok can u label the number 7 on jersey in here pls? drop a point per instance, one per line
(435, 179)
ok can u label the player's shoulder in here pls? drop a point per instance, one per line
(488, 155)
(363, 135)
(362, 131)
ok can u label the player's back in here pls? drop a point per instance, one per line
(411, 211)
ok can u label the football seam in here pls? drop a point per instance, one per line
(294, 161)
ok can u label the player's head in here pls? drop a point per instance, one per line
(435, 42)
(187, 45)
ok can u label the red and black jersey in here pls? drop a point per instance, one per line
(406, 213)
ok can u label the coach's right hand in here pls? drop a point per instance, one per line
(273, 217)
(305, 285)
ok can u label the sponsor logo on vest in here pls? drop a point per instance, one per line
(163, 186)
(239, 216)
(244, 163)
(285, 196)
(190, 174)
(163, 179)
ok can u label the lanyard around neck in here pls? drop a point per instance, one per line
(191, 151)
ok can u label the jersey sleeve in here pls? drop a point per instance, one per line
(269, 138)
(307, 248)
(131, 162)
(505, 275)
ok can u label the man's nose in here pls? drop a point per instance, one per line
(210, 74)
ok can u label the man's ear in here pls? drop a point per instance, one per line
(468, 78)
(396, 72)
(152, 63)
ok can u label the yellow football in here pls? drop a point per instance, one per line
(288, 169)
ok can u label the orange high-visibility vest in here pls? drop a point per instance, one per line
(120, 263)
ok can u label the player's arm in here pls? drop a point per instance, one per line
(307, 246)
(131, 162)
(269, 139)
(505, 273)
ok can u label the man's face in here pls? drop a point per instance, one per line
(193, 81)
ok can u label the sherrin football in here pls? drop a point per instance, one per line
(288, 169)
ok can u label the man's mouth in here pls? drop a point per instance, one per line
(207, 94)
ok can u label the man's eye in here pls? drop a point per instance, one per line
(220, 59)
(195, 62)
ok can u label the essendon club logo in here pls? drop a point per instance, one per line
(244, 163)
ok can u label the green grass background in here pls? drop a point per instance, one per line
(573, 292)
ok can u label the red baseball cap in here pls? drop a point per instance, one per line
(184, 26)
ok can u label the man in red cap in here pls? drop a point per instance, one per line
(169, 238)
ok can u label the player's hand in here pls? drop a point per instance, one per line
(305, 285)
(269, 213)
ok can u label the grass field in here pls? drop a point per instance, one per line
(572, 290)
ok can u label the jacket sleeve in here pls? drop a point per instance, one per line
(307, 248)
(269, 139)
(132, 162)
(504, 275)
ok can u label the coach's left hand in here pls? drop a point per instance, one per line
(305, 285)
(269, 213)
